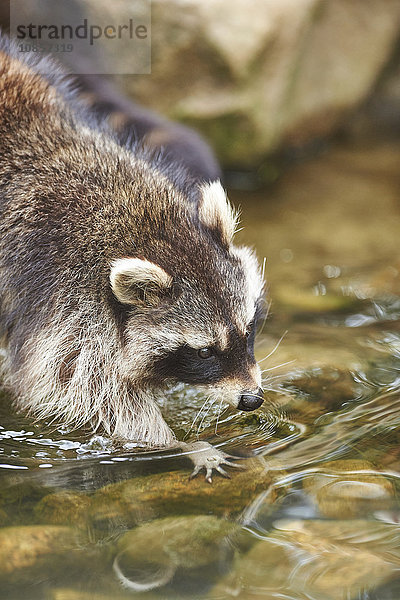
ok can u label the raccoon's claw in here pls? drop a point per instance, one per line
(205, 456)
(223, 472)
(209, 470)
(195, 471)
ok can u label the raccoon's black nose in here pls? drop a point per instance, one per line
(251, 401)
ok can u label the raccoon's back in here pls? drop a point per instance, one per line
(72, 200)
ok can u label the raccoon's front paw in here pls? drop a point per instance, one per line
(205, 456)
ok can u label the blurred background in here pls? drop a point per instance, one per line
(274, 79)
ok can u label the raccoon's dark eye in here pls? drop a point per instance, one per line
(205, 352)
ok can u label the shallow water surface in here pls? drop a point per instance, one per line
(315, 514)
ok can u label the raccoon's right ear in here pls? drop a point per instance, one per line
(216, 212)
(136, 280)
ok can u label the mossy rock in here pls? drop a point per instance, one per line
(174, 550)
(180, 541)
(143, 498)
(18, 501)
(63, 508)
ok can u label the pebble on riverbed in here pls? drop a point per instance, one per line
(149, 556)
(341, 492)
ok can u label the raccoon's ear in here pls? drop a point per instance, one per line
(136, 280)
(216, 212)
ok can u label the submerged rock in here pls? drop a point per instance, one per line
(18, 500)
(324, 559)
(30, 553)
(176, 548)
(127, 503)
(63, 508)
(341, 492)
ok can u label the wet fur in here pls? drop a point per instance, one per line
(73, 200)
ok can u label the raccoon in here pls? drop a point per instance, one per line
(118, 272)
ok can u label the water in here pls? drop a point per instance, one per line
(315, 514)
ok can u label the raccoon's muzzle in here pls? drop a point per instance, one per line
(250, 401)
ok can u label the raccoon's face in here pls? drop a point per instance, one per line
(221, 359)
(196, 322)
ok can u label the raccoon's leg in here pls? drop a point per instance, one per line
(205, 456)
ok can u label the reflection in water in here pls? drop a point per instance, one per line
(315, 515)
(341, 433)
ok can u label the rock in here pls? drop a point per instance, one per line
(127, 503)
(379, 117)
(346, 556)
(151, 555)
(182, 541)
(318, 559)
(30, 553)
(18, 500)
(341, 492)
(63, 508)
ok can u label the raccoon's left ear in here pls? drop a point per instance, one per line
(136, 280)
(215, 211)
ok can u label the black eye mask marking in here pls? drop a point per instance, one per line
(205, 353)
(186, 365)
(210, 365)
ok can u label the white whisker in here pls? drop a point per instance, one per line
(197, 415)
(205, 415)
(289, 362)
(218, 415)
(272, 389)
(274, 349)
(263, 267)
(265, 316)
